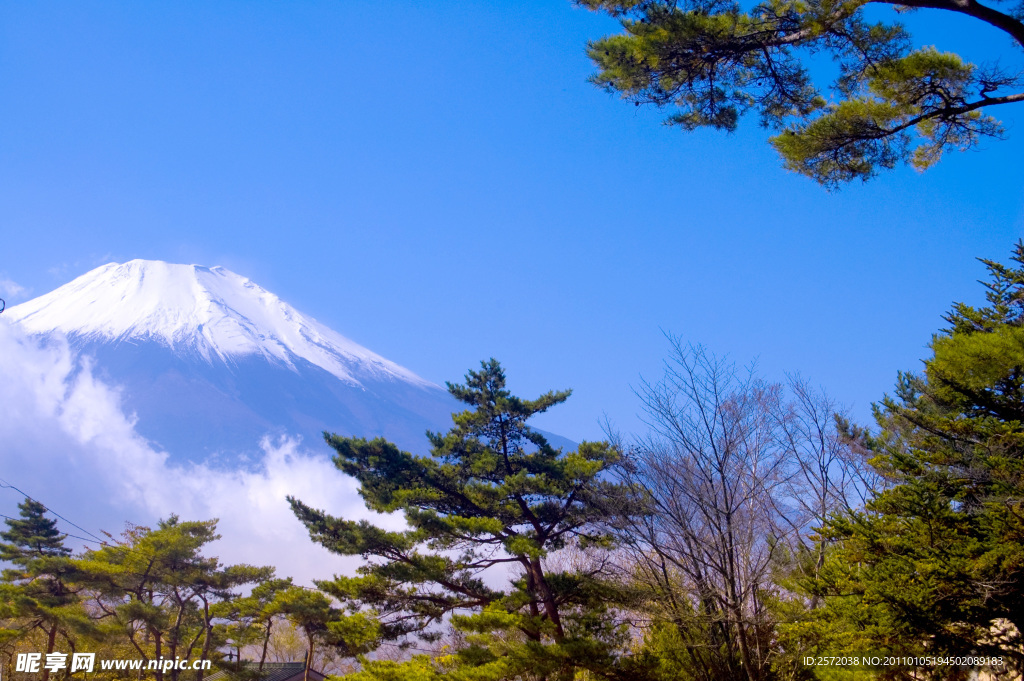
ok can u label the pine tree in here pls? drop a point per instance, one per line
(37, 589)
(711, 62)
(323, 623)
(936, 561)
(492, 494)
(156, 589)
(32, 537)
(251, 618)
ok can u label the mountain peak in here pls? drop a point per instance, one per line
(195, 310)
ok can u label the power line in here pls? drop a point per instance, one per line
(4, 483)
(73, 536)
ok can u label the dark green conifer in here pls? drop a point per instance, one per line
(31, 537)
(492, 494)
(37, 591)
(935, 563)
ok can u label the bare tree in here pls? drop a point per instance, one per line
(828, 473)
(735, 475)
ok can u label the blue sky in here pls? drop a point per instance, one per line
(439, 182)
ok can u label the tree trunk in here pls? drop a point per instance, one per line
(50, 641)
(206, 650)
(266, 642)
(547, 598)
(309, 660)
(744, 652)
(159, 654)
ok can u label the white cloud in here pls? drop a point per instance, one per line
(10, 290)
(68, 443)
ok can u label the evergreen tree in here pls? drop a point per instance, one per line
(713, 61)
(322, 622)
(37, 592)
(252, 617)
(32, 537)
(935, 563)
(492, 494)
(157, 589)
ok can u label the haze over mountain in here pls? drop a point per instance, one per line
(209, 362)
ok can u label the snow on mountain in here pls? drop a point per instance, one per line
(145, 388)
(208, 363)
(211, 312)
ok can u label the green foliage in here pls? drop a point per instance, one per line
(30, 538)
(37, 593)
(419, 668)
(316, 615)
(156, 589)
(250, 619)
(713, 61)
(935, 562)
(154, 594)
(492, 493)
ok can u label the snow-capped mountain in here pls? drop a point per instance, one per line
(209, 362)
(205, 311)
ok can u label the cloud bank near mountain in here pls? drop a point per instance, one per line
(70, 442)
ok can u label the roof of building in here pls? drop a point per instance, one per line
(272, 671)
